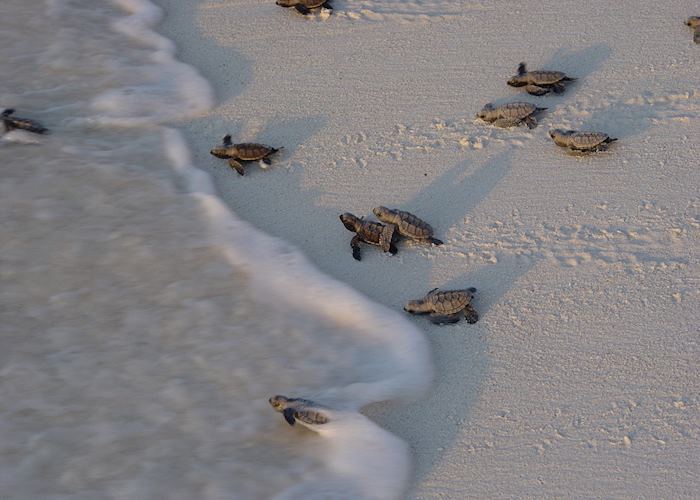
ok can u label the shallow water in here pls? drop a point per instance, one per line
(143, 326)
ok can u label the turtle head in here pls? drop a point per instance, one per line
(279, 403)
(350, 221)
(488, 107)
(220, 152)
(693, 21)
(381, 212)
(558, 134)
(518, 80)
(416, 307)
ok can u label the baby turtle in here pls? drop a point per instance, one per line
(246, 151)
(446, 306)
(694, 22)
(581, 141)
(370, 232)
(407, 224)
(305, 6)
(510, 115)
(539, 82)
(303, 410)
(15, 122)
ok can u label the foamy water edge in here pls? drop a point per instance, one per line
(358, 451)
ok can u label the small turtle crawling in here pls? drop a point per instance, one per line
(297, 409)
(694, 22)
(539, 82)
(370, 232)
(510, 115)
(407, 224)
(445, 306)
(14, 122)
(581, 141)
(305, 6)
(247, 151)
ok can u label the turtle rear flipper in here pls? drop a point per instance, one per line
(302, 9)
(237, 166)
(696, 35)
(536, 90)
(289, 415)
(444, 319)
(386, 237)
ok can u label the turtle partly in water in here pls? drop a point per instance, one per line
(305, 6)
(539, 82)
(12, 122)
(246, 151)
(581, 141)
(445, 306)
(510, 115)
(694, 22)
(407, 224)
(373, 233)
(300, 410)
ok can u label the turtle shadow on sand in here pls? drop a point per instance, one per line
(461, 365)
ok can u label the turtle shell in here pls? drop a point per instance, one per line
(449, 301)
(249, 151)
(587, 140)
(312, 4)
(411, 226)
(371, 232)
(515, 110)
(544, 77)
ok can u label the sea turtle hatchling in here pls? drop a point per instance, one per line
(301, 410)
(539, 82)
(370, 232)
(12, 122)
(407, 224)
(694, 22)
(305, 6)
(445, 306)
(247, 151)
(581, 141)
(510, 115)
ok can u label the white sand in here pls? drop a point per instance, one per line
(581, 379)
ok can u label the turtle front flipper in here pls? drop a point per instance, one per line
(237, 166)
(435, 241)
(530, 121)
(327, 6)
(386, 237)
(444, 319)
(355, 245)
(536, 90)
(227, 140)
(302, 9)
(266, 161)
(696, 35)
(471, 314)
(289, 415)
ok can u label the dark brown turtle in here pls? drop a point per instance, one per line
(581, 141)
(246, 151)
(15, 122)
(511, 114)
(407, 224)
(305, 6)
(369, 232)
(445, 306)
(300, 410)
(539, 82)
(694, 22)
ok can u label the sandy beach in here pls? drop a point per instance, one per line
(580, 379)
